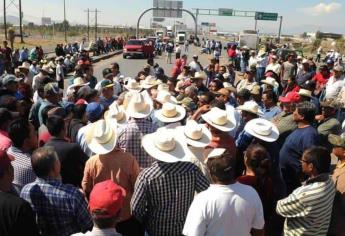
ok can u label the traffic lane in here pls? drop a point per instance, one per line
(131, 67)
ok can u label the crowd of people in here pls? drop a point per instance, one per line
(205, 150)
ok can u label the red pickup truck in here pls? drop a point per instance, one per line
(138, 48)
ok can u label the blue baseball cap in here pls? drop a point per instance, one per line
(94, 111)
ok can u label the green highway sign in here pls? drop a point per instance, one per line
(266, 16)
(225, 12)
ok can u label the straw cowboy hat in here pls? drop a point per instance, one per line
(149, 82)
(25, 65)
(138, 105)
(47, 69)
(305, 93)
(219, 119)
(164, 96)
(270, 81)
(262, 129)
(251, 107)
(170, 113)
(215, 153)
(163, 86)
(194, 134)
(132, 85)
(116, 112)
(200, 75)
(229, 87)
(101, 136)
(163, 145)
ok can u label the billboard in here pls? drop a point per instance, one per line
(173, 5)
(46, 21)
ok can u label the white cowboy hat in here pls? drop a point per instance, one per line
(132, 85)
(219, 119)
(200, 75)
(262, 129)
(250, 106)
(194, 134)
(149, 82)
(25, 65)
(163, 145)
(305, 93)
(215, 153)
(270, 81)
(116, 112)
(79, 82)
(101, 136)
(170, 113)
(163, 86)
(343, 125)
(138, 105)
(47, 69)
(164, 96)
(59, 58)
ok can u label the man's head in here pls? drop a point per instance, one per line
(51, 93)
(243, 96)
(6, 172)
(107, 74)
(94, 111)
(10, 82)
(269, 99)
(106, 201)
(291, 57)
(222, 70)
(195, 58)
(222, 167)
(23, 134)
(56, 126)
(5, 43)
(150, 61)
(304, 112)
(338, 143)
(306, 65)
(184, 57)
(222, 95)
(107, 88)
(329, 108)
(289, 101)
(338, 71)
(45, 163)
(191, 91)
(316, 161)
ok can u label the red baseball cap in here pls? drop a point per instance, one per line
(291, 97)
(5, 161)
(106, 199)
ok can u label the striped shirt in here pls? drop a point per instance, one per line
(308, 209)
(163, 194)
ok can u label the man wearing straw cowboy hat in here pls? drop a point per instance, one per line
(138, 107)
(111, 163)
(164, 191)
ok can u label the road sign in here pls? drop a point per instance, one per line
(225, 12)
(175, 7)
(266, 16)
(204, 24)
(158, 19)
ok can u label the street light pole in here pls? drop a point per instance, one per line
(64, 16)
(21, 22)
(5, 23)
(280, 28)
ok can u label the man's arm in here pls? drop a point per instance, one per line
(291, 207)
(139, 198)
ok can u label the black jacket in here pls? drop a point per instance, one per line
(72, 160)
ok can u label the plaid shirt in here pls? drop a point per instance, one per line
(129, 140)
(23, 173)
(60, 209)
(163, 194)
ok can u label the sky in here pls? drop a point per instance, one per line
(298, 15)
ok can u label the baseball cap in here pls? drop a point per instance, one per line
(94, 111)
(9, 78)
(5, 161)
(336, 140)
(106, 72)
(291, 97)
(106, 84)
(159, 71)
(106, 199)
(51, 88)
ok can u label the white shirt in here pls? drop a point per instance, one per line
(59, 73)
(252, 61)
(81, 140)
(274, 67)
(333, 87)
(100, 232)
(195, 66)
(261, 62)
(224, 210)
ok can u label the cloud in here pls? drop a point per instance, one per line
(322, 9)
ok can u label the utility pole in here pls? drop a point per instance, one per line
(280, 28)
(96, 14)
(64, 19)
(88, 24)
(21, 22)
(5, 23)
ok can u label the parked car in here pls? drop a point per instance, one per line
(142, 48)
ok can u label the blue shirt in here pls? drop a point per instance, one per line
(243, 141)
(269, 113)
(60, 209)
(295, 144)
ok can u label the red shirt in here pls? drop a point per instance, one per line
(320, 78)
(5, 141)
(223, 140)
(231, 52)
